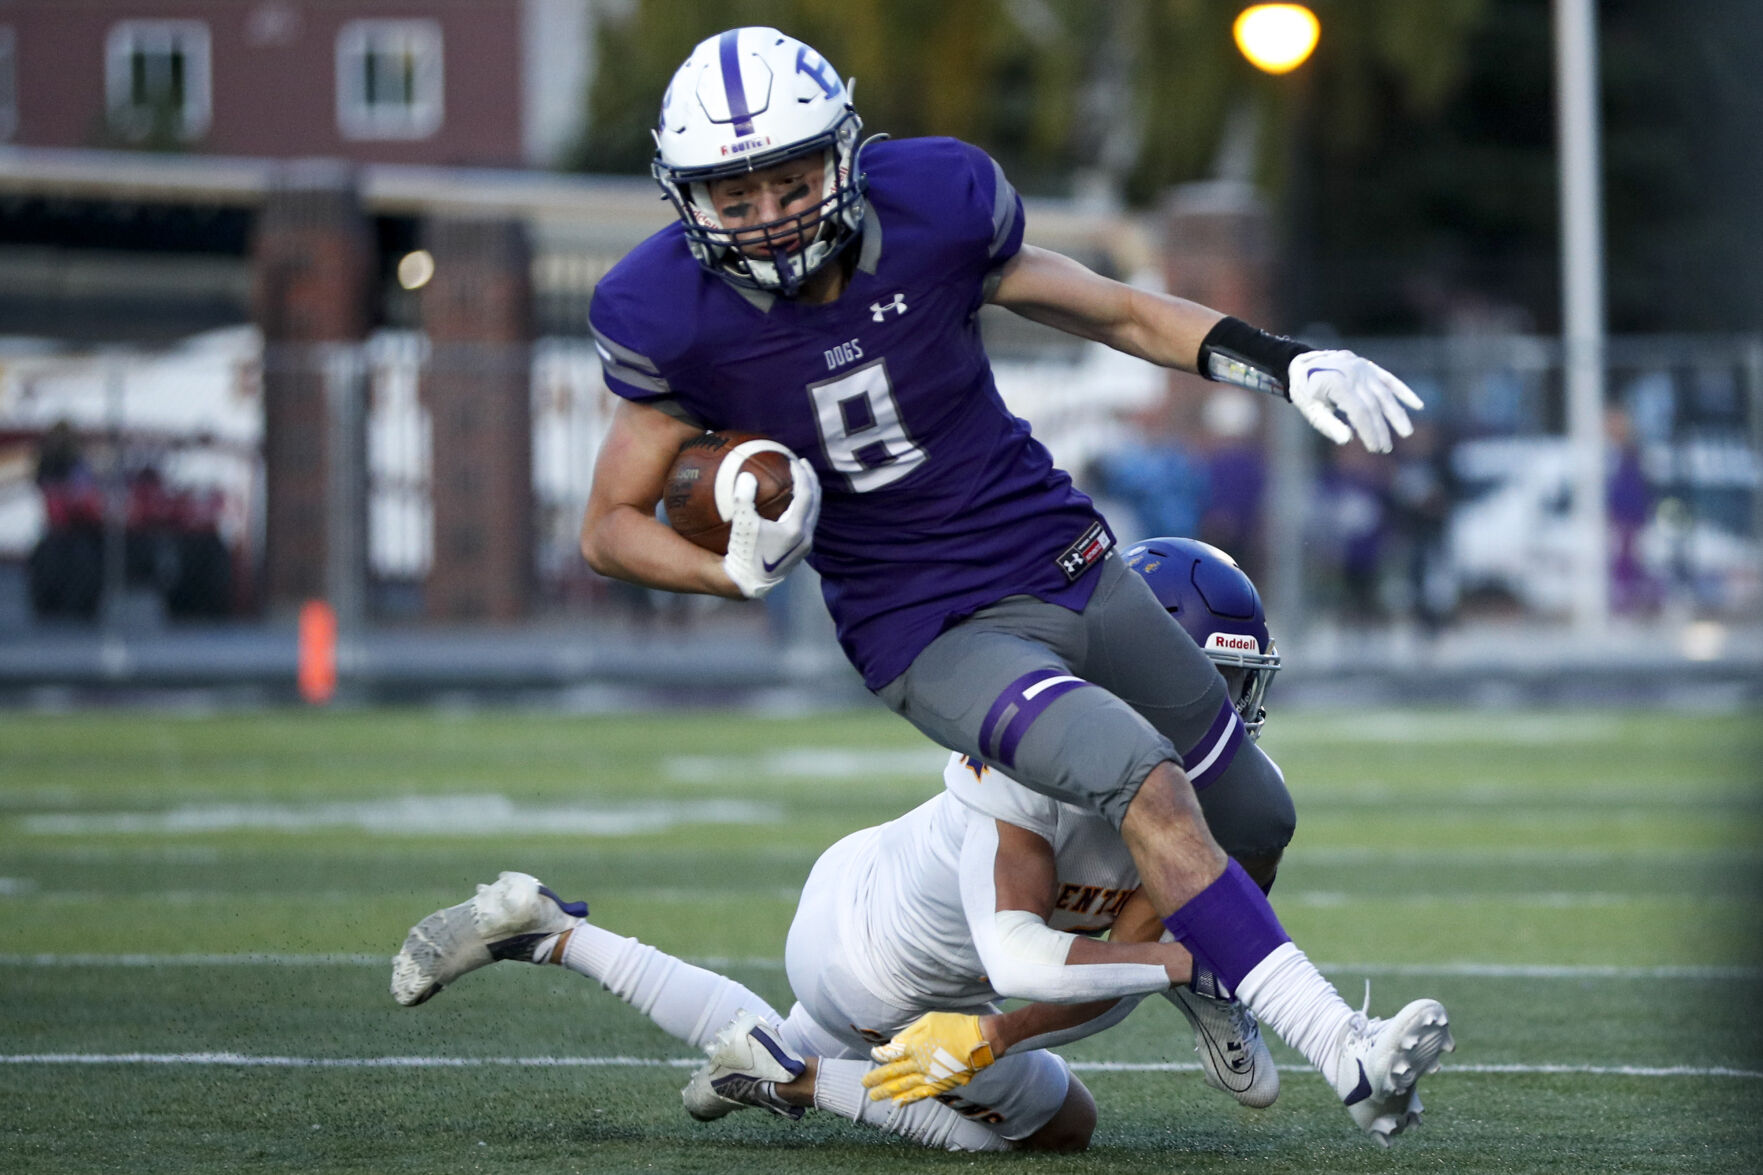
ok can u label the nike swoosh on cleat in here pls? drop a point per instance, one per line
(1237, 1067)
(1360, 1091)
(575, 909)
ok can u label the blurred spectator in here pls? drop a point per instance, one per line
(59, 459)
(1633, 590)
(1350, 528)
(1156, 478)
(65, 569)
(1423, 489)
(172, 545)
(171, 541)
(1236, 470)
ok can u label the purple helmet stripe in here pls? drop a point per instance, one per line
(1212, 754)
(1016, 709)
(729, 48)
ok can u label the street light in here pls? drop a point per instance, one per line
(1276, 38)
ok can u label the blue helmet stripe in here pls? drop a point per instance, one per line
(729, 47)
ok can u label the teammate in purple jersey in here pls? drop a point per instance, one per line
(827, 296)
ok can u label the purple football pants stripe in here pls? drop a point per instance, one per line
(732, 89)
(1008, 700)
(1224, 736)
(1012, 714)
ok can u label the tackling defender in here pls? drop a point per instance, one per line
(824, 292)
(988, 890)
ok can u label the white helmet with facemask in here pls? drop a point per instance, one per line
(746, 99)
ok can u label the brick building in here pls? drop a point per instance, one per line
(175, 166)
(482, 83)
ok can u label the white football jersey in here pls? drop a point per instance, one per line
(902, 908)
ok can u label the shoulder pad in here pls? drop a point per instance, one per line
(990, 792)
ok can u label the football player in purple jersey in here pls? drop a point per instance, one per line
(907, 935)
(824, 292)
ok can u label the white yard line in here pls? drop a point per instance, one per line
(240, 960)
(1449, 970)
(615, 1062)
(1451, 1067)
(489, 814)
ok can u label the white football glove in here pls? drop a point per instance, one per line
(1323, 383)
(760, 551)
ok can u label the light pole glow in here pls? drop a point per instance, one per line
(1276, 38)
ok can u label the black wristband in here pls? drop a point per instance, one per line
(1236, 353)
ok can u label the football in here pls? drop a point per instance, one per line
(700, 491)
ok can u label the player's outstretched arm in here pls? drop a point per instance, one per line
(1055, 290)
(1008, 883)
(621, 537)
(1339, 393)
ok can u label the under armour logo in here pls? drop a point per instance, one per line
(879, 310)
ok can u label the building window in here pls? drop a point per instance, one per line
(156, 79)
(389, 79)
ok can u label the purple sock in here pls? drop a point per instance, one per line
(1228, 927)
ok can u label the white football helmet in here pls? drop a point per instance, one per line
(746, 99)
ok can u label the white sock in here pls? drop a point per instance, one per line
(838, 1089)
(1289, 995)
(687, 1002)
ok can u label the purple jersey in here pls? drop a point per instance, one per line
(937, 501)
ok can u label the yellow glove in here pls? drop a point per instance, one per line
(931, 1055)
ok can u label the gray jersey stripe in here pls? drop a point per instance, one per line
(613, 352)
(633, 377)
(670, 406)
(1003, 210)
(870, 247)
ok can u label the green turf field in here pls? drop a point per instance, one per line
(196, 914)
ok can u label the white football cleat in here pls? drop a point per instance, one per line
(1233, 1057)
(506, 920)
(1379, 1063)
(747, 1063)
(704, 1103)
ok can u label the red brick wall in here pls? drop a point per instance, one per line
(275, 96)
(314, 261)
(477, 313)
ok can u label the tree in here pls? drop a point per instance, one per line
(1412, 159)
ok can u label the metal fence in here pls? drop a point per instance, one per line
(160, 454)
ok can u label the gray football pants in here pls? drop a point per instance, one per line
(1082, 705)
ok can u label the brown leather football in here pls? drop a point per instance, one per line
(691, 495)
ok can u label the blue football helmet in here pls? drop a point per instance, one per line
(744, 100)
(1211, 597)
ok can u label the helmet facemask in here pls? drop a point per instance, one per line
(779, 254)
(1257, 673)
